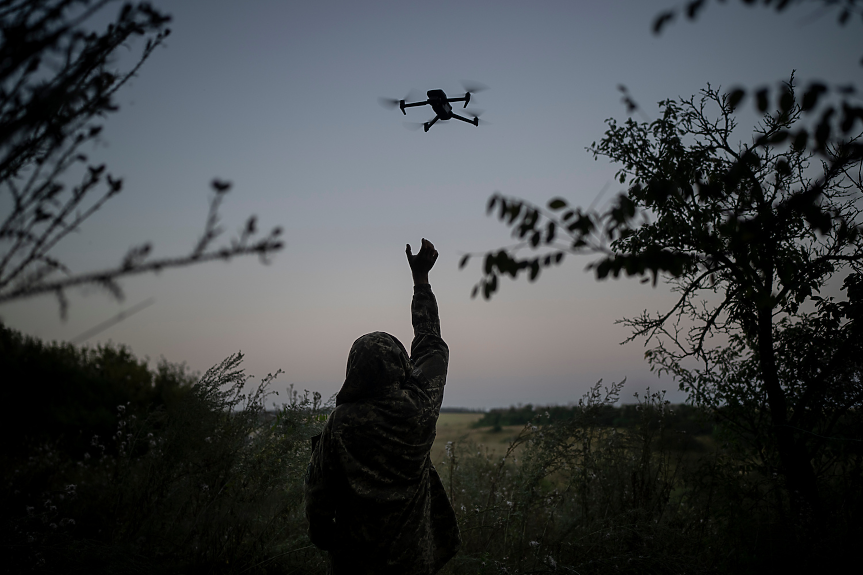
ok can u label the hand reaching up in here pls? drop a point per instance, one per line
(422, 262)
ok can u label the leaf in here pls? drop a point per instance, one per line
(761, 99)
(735, 97)
(491, 202)
(661, 20)
(463, 261)
(800, 140)
(812, 94)
(843, 17)
(514, 211)
(786, 101)
(557, 204)
(534, 270)
(550, 233)
(693, 8)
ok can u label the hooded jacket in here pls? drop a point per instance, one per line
(373, 497)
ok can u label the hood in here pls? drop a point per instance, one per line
(377, 364)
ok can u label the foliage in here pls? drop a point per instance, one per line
(57, 81)
(747, 235)
(76, 390)
(588, 498)
(207, 482)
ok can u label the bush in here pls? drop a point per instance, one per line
(206, 482)
(194, 475)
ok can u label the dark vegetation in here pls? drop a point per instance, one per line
(58, 81)
(191, 474)
(119, 468)
(682, 418)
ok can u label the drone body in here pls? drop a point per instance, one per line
(439, 102)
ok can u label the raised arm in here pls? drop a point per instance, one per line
(429, 352)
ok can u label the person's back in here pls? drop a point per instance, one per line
(373, 497)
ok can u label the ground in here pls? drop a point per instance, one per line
(457, 426)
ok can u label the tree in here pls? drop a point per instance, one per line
(746, 234)
(58, 81)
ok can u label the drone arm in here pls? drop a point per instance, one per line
(465, 99)
(475, 121)
(428, 125)
(403, 106)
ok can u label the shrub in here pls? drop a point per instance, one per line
(207, 482)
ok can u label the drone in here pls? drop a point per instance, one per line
(439, 102)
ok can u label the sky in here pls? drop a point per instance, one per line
(280, 98)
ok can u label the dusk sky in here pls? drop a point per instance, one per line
(280, 98)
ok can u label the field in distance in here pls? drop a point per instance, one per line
(457, 427)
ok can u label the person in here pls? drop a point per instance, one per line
(373, 499)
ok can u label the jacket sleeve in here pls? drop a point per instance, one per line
(320, 504)
(429, 352)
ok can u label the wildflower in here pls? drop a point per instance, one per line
(121, 408)
(205, 487)
(552, 563)
(86, 455)
(534, 544)
(208, 439)
(509, 503)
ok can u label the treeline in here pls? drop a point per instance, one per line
(681, 417)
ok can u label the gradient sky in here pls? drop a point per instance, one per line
(280, 98)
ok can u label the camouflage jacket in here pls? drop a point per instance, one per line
(373, 497)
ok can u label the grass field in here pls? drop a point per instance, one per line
(457, 426)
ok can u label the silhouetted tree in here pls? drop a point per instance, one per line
(745, 234)
(57, 82)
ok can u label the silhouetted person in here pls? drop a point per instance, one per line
(373, 497)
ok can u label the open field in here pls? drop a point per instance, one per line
(457, 426)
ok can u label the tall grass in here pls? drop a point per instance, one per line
(210, 483)
(206, 480)
(586, 497)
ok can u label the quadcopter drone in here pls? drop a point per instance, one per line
(441, 105)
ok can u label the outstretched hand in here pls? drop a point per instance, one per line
(422, 262)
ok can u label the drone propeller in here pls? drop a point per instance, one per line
(412, 96)
(473, 87)
(388, 102)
